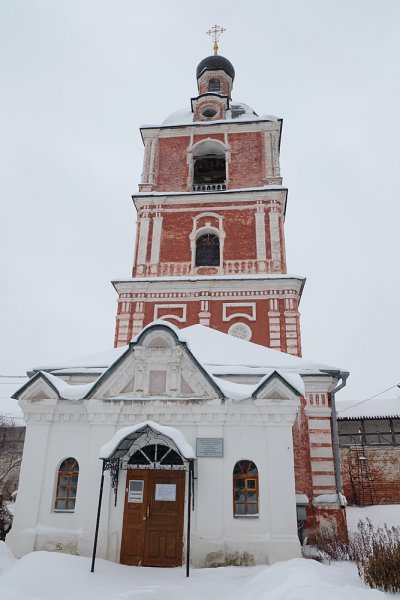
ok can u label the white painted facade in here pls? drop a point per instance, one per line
(257, 427)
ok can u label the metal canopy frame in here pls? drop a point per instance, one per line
(121, 460)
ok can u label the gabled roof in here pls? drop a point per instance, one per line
(216, 350)
(137, 341)
(214, 354)
(59, 386)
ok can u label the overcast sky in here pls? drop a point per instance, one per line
(78, 78)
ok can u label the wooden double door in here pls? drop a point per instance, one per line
(152, 532)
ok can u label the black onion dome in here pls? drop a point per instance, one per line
(215, 63)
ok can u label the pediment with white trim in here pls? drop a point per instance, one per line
(277, 389)
(157, 366)
(37, 389)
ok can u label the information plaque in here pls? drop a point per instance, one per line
(165, 492)
(210, 447)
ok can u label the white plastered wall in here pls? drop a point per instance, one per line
(261, 432)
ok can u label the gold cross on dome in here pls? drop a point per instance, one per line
(215, 33)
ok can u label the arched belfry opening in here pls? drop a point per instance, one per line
(209, 164)
(207, 251)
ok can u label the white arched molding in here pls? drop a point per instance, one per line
(207, 228)
(204, 147)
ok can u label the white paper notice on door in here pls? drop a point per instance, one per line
(135, 490)
(166, 492)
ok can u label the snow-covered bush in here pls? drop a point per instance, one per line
(376, 553)
(244, 559)
(5, 519)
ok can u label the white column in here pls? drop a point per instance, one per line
(275, 239)
(143, 237)
(22, 536)
(152, 166)
(260, 237)
(156, 239)
(268, 170)
(146, 161)
(320, 435)
(204, 314)
(138, 318)
(275, 153)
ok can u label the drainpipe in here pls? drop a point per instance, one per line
(336, 456)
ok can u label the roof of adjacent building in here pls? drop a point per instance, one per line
(373, 408)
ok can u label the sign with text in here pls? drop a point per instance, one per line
(135, 490)
(210, 447)
(166, 492)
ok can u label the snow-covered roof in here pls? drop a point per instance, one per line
(214, 348)
(67, 391)
(243, 190)
(173, 434)
(248, 276)
(239, 112)
(217, 353)
(375, 408)
(86, 364)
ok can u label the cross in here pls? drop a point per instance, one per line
(215, 33)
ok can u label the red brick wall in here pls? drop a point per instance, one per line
(302, 460)
(175, 243)
(239, 228)
(328, 521)
(172, 170)
(260, 327)
(384, 468)
(246, 168)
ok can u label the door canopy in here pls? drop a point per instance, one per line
(128, 441)
(146, 445)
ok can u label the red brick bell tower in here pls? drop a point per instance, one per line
(211, 208)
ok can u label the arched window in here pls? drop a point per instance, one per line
(159, 454)
(245, 488)
(209, 163)
(67, 484)
(207, 251)
(214, 85)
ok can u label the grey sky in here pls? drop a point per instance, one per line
(79, 77)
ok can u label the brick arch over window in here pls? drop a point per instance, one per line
(67, 485)
(245, 489)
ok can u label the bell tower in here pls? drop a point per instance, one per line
(211, 207)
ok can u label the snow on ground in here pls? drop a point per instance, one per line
(379, 515)
(49, 575)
